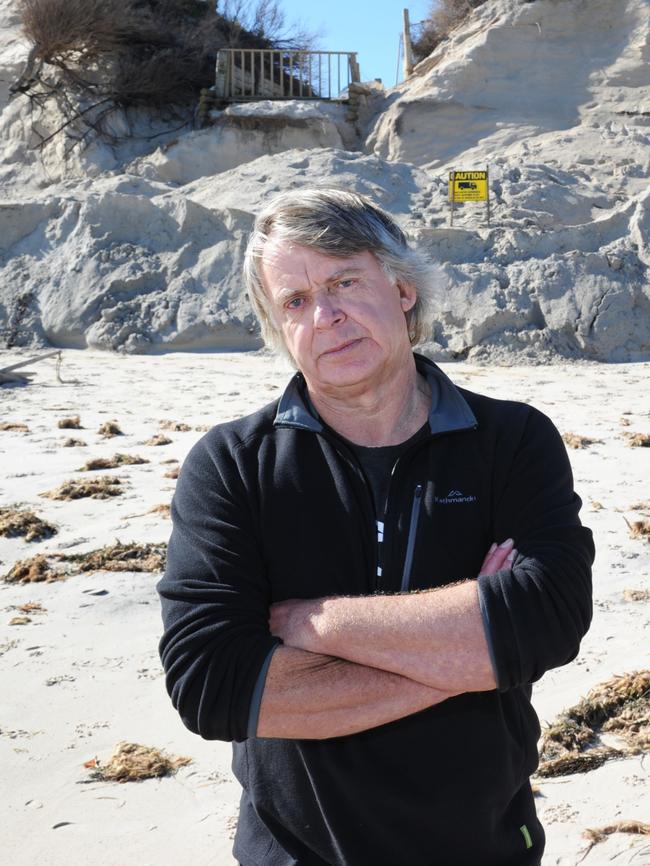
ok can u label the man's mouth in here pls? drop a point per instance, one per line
(340, 349)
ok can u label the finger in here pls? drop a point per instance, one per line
(500, 553)
(493, 547)
(498, 559)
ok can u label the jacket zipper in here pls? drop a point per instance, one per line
(410, 544)
(415, 513)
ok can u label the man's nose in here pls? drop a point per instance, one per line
(327, 311)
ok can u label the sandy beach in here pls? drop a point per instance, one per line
(80, 666)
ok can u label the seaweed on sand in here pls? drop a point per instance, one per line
(599, 834)
(163, 509)
(636, 594)
(36, 569)
(112, 462)
(15, 522)
(121, 557)
(175, 426)
(132, 762)
(73, 423)
(620, 705)
(115, 557)
(158, 439)
(639, 528)
(637, 440)
(575, 440)
(95, 488)
(14, 425)
(109, 429)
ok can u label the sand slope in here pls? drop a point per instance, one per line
(138, 247)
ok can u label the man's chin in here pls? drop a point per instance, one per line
(345, 374)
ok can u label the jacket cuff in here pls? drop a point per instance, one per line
(258, 691)
(487, 630)
(501, 640)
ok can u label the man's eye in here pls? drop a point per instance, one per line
(295, 303)
(345, 284)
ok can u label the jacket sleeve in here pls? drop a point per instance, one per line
(216, 641)
(536, 613)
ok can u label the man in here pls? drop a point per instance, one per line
(328, 601)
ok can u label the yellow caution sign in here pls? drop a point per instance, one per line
(468, 186)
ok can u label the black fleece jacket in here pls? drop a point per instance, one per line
(273, 506)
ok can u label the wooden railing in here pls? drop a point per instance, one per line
(256, 73)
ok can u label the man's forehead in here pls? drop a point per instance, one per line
(287, 256)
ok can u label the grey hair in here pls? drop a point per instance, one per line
(338, 223)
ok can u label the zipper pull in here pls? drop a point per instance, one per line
(410, 544)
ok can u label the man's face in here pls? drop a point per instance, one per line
(342, 319)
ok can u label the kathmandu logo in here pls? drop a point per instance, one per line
(454, 497)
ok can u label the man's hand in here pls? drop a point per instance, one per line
(498, 557)
(296, 621)
(291, 621)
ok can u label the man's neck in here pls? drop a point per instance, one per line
(388, 413)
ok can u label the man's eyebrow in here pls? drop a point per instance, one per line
(344, 272)
(287, 292)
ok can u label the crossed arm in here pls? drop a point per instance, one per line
(349, 664)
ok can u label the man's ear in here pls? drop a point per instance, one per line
(407, 295)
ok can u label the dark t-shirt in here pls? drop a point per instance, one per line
(377, 464)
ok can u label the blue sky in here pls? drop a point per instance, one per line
(370, 27)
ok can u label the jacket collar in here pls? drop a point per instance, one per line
(449, 409)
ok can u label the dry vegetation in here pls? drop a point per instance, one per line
(112, 462)
(443, 17)
(14, 523)
(173, 473)
(620, 706)
(73, 443)
(95, 488)
(132, 762)
(73, 423)
(95, 59)
(116, 557)
(163, 510)
(575, 440)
